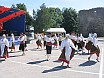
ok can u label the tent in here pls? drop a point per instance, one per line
(12, 21)
(56, 30)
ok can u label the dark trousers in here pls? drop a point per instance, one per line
(60, 43)
(48, 49)
(22, 47)
(79, 46)
(44, 43)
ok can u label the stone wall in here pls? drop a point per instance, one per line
(91, 20)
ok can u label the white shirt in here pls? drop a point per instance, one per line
(95, 42)
(89, 39)
(39, 38)
(49, 39)
(22, 39)
(25, 37)
(67, 43)
(73, 37)
(79, 39)
(12, 39)
(60, 38)
(4, 42)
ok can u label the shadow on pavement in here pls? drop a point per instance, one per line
(35, 49)
(88, 63)
(1, 60)
(58, 68)
(57, 61)
(36, 62)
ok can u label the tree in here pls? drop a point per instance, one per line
(43, 19)
(13, 6)
(34, 20)
(21, 6)
(70, 21)
(56, 16)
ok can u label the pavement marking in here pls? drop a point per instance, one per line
(101, 64)
(56, 68)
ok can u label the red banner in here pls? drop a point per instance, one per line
(3, 9)
(13, 15)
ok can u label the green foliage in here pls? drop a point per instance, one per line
(43, 19)
(70, 21)
(21, 6)
(56, 16)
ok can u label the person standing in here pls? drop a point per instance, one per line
(4, 47)
(12, 42)
(49, 43)
(22, 43)
(66, 48)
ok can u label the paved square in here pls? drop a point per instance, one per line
(34, 65)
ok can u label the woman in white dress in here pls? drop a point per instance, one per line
(4, 44)
(66, 48)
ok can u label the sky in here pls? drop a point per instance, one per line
(35, 4)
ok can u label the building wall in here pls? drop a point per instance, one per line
(92, 21)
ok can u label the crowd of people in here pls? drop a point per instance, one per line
(69, 45)
(5, 44)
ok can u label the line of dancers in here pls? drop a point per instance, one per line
(69, 45)
(5, 45)
(72, 44)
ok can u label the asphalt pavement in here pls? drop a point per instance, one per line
(35, 65)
